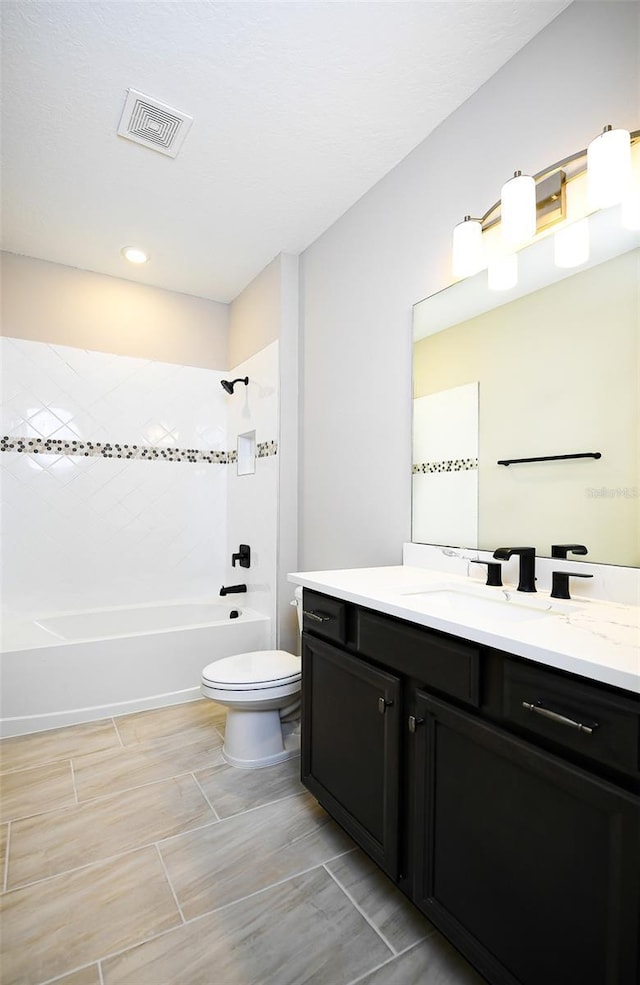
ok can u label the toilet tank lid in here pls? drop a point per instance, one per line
(256, 667)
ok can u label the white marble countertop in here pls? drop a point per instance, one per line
(597, 640)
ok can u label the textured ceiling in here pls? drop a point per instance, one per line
(299, 108)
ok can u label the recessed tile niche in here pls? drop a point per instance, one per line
(247, 453)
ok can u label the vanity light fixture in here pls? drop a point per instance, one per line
(608, 168)
(531, 204)
(518, 210)
(134, 254)
(468, 254)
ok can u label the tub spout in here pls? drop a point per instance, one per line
(232, 589)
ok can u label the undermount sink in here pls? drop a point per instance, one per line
(459, 601)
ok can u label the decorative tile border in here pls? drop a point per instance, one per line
(451, 465)
(100, 449)
(267, 448)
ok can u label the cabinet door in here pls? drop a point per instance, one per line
(529, 865)
(350, 745)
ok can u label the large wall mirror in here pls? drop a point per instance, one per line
(550, 368)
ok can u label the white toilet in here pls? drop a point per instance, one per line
(259, 690)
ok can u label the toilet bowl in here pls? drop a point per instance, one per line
(259, 689)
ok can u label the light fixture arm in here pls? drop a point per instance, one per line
(487, 220)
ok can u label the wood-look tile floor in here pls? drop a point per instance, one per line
(130, 852)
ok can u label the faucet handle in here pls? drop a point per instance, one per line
(560, 583)
(494, 571)
(243, 556)
(561, 550)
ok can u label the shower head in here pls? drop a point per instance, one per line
(228, 385)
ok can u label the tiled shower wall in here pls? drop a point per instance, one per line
(92, 529)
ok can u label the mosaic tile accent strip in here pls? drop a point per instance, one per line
(104, 449)
(267, 448)
(450, 465)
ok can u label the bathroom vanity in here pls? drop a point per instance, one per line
(498, 789)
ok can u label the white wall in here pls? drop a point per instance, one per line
(360, 279)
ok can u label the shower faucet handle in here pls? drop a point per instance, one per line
(243, 556)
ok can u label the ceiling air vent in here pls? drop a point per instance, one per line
(149, 122)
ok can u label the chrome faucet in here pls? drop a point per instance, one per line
(527, 555)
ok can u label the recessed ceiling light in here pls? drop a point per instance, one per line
(134, 254)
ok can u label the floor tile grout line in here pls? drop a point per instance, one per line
(99, 798)
(201, 916)
(100, 975)
(5, 875)
(199, 786)
(99, 861)
(410, 947)
(149, 844)
(384, 964)
(363, 977)
(205, 727)
(48, 762)
(171, 887)
(156, 844)
(118, 732)
(138, 786)
(258, 807)
(399, 954)
(362, 913)
(73, 781)
(72, 971)
(50, 810)
(40, 766)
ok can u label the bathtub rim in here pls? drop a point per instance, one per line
(53, 639)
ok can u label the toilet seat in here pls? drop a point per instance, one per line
(254, 671)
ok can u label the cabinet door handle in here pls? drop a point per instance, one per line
(383, 704)
(316, 616)
(414, 722)
(539, 709)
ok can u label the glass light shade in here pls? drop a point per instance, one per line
(468, 254)
(608, 168)
(518, 210)
(571, 244)
(134, 254)
(503, 272)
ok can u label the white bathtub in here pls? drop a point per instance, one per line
(82, 666)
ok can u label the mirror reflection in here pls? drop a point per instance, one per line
(548, 369)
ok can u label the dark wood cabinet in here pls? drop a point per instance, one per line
(351, 746)
(533, 863)
(516, 833)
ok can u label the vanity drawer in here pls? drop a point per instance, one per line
(439, 662)
(586, 719)
(324, 616)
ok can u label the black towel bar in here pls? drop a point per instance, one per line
(549, 458)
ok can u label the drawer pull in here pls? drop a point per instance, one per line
(560, 719)
(316, 616)
(414, 722)
(383, 704)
